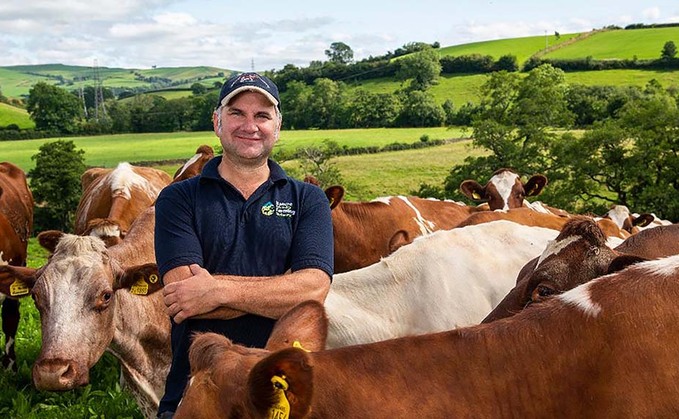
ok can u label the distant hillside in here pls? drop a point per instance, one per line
(644, 44)
(522, 48)
(12, 115)
(16, 81)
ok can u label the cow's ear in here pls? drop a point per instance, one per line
(623, 261)
(16, 281)
(535, 185)
(49, 239)
(139, 280)
(399, 239)
(643, 220)
(473, 190)
(306, 324)
(334, 195)
(284, 374)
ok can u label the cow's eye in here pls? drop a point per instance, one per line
(541, 292)
(104, 300)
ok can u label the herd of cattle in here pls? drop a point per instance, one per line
(437, 308)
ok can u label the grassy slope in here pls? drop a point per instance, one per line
(13, 115)
(522, 48)
(621, 44)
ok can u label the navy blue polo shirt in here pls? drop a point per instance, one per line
(285, 225)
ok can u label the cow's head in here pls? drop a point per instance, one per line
(222, 384)
(504, 190)
(577, 255)
(75, 293)
(624, 219)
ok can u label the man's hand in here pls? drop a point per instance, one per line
(192, 296)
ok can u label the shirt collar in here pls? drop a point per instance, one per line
(210, 171)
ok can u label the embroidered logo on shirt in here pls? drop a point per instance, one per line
(268, 209)
(280, 209)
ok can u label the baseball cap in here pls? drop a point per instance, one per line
(248, 82)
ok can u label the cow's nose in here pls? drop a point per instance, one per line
(58, 375)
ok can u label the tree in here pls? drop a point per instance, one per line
(55, 183)
(53, 108)
(422, 69)
(340, 53)
(669, 51)
(198, 89)
(420, 110)
(507, 62)
(515, 123)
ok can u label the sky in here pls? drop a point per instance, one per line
(267, 35)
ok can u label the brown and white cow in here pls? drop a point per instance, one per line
(195, 164)
(447, 279)
(580, 254)
(602, 349)
(504, 190)
(633, 222)
(364, 232)
(16, 223)
(113, 198)
(90, 300)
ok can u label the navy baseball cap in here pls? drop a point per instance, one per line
(248, 82)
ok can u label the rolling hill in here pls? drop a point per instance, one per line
(602, 44)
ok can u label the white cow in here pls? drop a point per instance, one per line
(445, 280)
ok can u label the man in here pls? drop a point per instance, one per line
(240, 244)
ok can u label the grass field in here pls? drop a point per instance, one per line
(522, 48)
(644, 44)
(109, 150)
(13, 115)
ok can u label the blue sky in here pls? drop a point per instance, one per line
(270, 34)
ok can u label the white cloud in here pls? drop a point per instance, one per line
(652, 13)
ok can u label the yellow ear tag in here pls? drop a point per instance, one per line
(153, 278)
(281, 407)
(331, 201)
(475, 195)
(18, 287)
(298, 345)
(140, 287)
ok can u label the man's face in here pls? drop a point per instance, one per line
(249, 128)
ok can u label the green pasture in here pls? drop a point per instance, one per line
(109, 150)
(13, 115)
(621, 44)
(522, 48)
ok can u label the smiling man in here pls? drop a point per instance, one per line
(242, 243)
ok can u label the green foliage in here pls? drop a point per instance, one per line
(515, 123)
(55, 183)
(53, 108)
(340, 53)
(420, 110)
(669, 51)
(421, 69)
(315, 161)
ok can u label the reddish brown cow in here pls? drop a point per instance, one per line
(527, 216)
(92, 298)
(599, 350)
(113, 198)
(364, 232)
(580, 254)
(195, 164)
(16, 223)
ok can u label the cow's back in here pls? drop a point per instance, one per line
(16, 214)
(115, 197)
